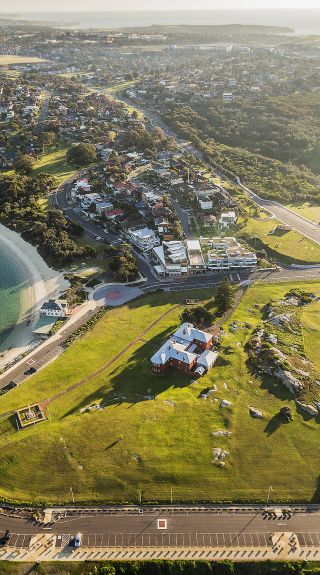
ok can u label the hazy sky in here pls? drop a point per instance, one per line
(77, 5)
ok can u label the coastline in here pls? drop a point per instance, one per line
(44, 283)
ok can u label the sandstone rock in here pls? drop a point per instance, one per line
(288, 380)
(308, 408)
(255, 412)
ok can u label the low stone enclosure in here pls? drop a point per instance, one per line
(30, 415)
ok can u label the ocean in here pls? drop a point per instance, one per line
(302, 21)
(14, 294)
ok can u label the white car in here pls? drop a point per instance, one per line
(77, 540)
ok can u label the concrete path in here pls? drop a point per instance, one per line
(115, 294)
(49, 547)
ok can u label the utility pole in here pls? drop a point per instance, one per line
(171, 495)
(140, 496)
(71, 491)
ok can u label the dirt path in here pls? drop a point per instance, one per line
(217, 325)
(45, 402)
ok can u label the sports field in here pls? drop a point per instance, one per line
(125, 432)
(6, 60)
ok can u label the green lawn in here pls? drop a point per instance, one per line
(307, 210)
(289, 246)
(54, 163)
(311, 331)
(134, 443)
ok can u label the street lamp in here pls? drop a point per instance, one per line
(269, 492)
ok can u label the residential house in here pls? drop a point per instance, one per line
(227, 219)
(54, 308)
(143, 238)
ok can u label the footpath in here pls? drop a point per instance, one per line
(50, 547)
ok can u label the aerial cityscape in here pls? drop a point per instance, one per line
(160, 287)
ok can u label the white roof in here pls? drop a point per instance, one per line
(193, 245)
(178, 346)
(172, 349)
(207, 359)
(188, 332)
(143, 233)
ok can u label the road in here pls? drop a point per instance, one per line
(185, 527)
(303, 226)
(43, 112)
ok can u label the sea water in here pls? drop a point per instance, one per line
(15, 302)
(302, 21)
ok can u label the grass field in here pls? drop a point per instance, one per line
(6, 60)
(54, 163)
(311, 331)
(289, 247)
(135, 443)
(307, 210)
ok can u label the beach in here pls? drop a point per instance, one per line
(41, 283)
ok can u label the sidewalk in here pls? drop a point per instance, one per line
(49, 547)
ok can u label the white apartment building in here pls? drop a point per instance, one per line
(227, 253)
(144, 239)
(171, 258)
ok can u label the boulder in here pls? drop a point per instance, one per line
(288, 380)
(308, 408)
(225, 403)
(254, 412)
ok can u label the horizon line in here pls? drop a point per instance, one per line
(75, 11)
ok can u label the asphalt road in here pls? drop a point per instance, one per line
(301, 225)
(182, 529)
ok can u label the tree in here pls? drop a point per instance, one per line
(177, 230)
(199, 316)
(46, 139)
(82, 154)
(224, 297)
(23, 165)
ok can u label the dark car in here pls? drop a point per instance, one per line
(6, 388)
(30, 371)
(6, 538)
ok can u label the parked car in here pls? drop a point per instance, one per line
(30, 371)
(77, 540)
(6, 388)
(6, 538)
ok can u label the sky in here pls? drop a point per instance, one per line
(115, 5)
